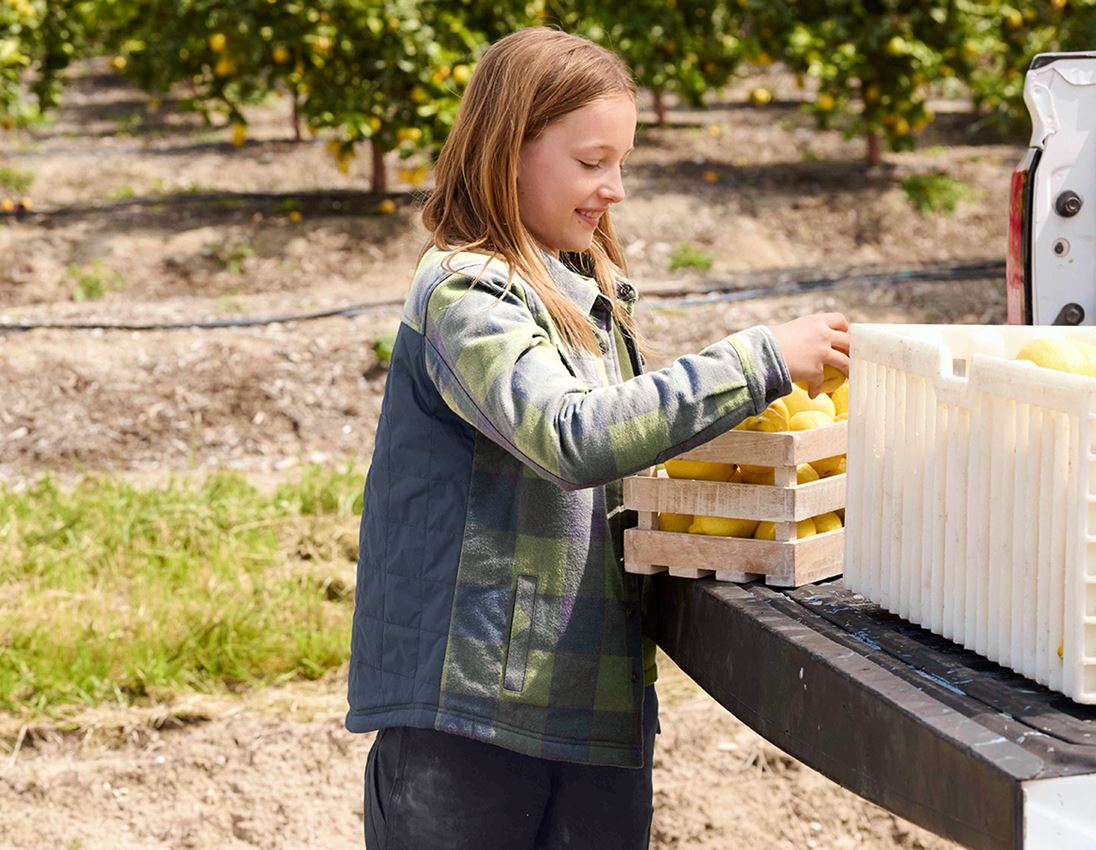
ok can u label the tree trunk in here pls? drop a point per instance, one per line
(380, 179)
(660, 108)
(875, 148)
(296, 115)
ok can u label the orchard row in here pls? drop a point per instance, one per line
(390, 72)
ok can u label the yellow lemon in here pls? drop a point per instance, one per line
(807, 419)
(718, 526)
(804, 474)
(281, 55)
(767, 530)
(699, 470)
(827, 522)
(239, 135)
(840, 398)
(760, 96)
(772, 418)
(843, 416)
(462, 74)
(217, 42)
(674, 522)
(1075, 357)
(829, 466)
(832, 378)
(386, 207)
(798, 401)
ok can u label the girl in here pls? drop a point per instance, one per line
(497, 642)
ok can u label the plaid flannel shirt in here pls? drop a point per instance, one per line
(544, 651)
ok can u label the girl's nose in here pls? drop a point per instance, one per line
(613, 188)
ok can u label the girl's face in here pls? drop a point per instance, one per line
(571, 173)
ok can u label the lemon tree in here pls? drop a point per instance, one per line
(1002, 38)
(873, 63)
(38, 39)
(688, 47)
(389, 73)
(220, 55)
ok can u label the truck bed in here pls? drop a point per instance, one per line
(907, 719)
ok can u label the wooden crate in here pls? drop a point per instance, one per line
(783, 562)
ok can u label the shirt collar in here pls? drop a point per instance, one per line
(583, 291)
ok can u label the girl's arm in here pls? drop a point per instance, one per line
(499, 371)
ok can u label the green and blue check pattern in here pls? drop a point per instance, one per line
(545, 650)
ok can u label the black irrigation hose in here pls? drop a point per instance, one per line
(971, 271)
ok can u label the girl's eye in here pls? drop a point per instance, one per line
(590, 165)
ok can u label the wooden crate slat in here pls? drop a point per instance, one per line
(761, 448)
(741, 501)
(790, 564)
(699, 551)
(708, 498)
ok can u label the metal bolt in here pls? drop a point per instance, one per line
(1061, 247)
(1068, 204)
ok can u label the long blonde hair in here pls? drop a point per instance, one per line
(522, 83)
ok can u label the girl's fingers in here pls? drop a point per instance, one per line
(838, 359)
(836, 321)
(840, 341)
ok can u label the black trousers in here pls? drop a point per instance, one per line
(430, 790)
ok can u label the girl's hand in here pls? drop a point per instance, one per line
(811, 342)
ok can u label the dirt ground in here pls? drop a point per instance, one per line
(176, 225)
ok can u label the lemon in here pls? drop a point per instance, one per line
(718, 526)
(674, 522)
(772, 418)
(840, 398)
(827, 522)
(699, 470)
(798, 401)
(386, 207)
(829, 466)
(807, 419)
(804, 474)
(1075, 357)
(843, 416)
(832, 378)
(767, 530)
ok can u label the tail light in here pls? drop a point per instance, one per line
(1018, 263)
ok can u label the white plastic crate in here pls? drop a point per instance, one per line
(970, 507)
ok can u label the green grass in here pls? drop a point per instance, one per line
(690, 257)
(113, 593)
(229, 257)
(936, 193)
(90, 283)
(15, 180)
